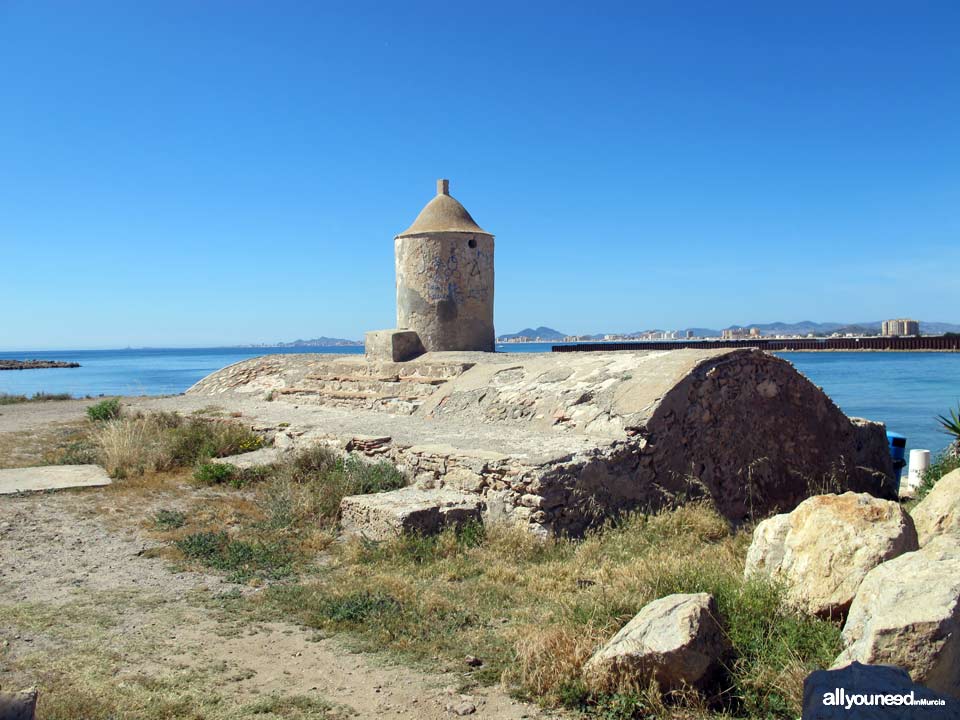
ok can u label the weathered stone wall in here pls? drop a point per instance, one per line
(445, 289)
(558, 442)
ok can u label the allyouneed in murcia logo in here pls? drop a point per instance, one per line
(841, 698)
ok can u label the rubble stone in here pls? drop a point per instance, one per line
(907, 613)
(675, 640)
(939, 512)
(381, 516)
(591, 434)
(827, 545)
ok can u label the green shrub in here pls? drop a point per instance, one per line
(196, 440)
(357, 608)
(78, 452)
(170, 519)
(309, 486)
(104, 410)
(214, 473)
(364, 477)
(243, 559)
(946, 462)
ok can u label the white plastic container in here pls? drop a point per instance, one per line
(919, 462)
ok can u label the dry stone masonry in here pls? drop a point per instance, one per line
(553, 442)
(557, 442)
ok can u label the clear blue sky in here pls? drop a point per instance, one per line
(201, 173)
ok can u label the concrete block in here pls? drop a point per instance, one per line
(396, 345)
(381, 516)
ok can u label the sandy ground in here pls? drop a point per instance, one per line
(79, 588)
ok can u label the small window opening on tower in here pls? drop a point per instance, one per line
(472, 243)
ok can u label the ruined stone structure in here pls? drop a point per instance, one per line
(558, 442)
(555, 442)
(445, 279)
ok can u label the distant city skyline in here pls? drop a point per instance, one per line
(181, 175)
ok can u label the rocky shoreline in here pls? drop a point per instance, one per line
(36, 364)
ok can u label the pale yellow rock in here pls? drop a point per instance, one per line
(907, 613)
(939, 512)
(676, 640)
(826, 546)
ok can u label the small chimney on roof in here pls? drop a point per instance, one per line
(443, 187)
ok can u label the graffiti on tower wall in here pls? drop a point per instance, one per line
(445, 272)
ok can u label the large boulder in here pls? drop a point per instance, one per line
(824, 548)
(850, 692)
(907, 613)
(676, 640)
(939, 511)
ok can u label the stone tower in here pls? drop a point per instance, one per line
(445, 277)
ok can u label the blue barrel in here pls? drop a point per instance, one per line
(898, 451)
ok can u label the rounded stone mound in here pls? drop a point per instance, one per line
(560, 441)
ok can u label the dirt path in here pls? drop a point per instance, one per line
(87, 613)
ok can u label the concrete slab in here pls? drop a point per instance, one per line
(52, 477)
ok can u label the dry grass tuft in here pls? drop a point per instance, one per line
(130, 446)
(548, 659)
(134, 444)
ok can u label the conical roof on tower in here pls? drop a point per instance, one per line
(443, 214)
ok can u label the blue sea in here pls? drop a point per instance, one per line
(904, 390)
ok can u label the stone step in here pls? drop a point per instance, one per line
(382, 516)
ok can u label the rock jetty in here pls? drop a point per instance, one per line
(35, 364)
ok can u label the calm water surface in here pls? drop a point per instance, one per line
(904, 390)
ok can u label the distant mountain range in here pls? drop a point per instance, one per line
(804, 327)
(315, 342)
(544, 333)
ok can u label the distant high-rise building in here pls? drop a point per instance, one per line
(900, 326)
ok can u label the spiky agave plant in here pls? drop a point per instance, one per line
(951, 426)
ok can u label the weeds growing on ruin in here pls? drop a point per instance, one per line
(310, 486)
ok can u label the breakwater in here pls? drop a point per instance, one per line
(940, 343)
(35, 364)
